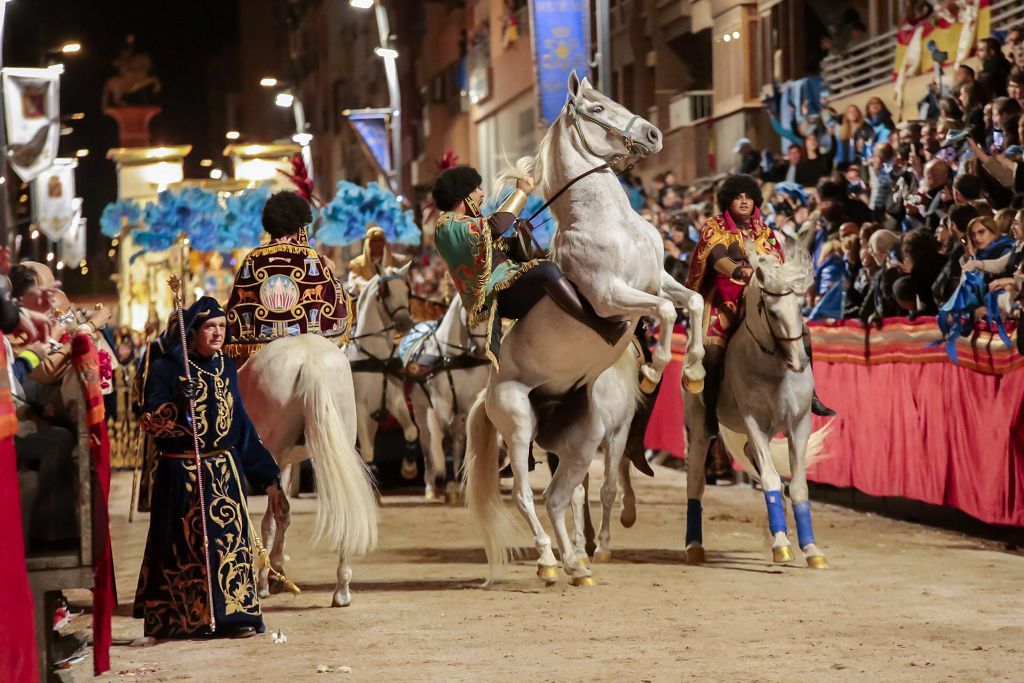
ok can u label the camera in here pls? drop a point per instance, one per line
(938, 56)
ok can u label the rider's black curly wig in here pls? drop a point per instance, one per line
(736, 185)
(285, 213)
(454, 185)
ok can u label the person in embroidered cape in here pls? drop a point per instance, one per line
(174, 588)
(285, 287)
(494, 274)
(720, 271)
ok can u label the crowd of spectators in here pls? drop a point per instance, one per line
(892, 214)
(39, 322)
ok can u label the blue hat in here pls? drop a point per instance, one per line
(205, 308)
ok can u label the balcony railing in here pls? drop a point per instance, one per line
(870, 64)
(688, 108)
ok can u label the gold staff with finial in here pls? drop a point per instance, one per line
(175, 283)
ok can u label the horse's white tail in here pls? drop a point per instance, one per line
(346, 511)
(483, 491)
(735, 443)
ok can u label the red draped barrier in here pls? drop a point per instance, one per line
(910, 423)
(17, 622)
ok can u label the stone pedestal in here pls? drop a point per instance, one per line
(133, 124)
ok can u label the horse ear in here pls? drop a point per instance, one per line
(404, 270)
(585, 84)
(574, 84)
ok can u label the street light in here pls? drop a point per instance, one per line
(361, 4)
(302, 139)
(232, 135)
(268, 81)
(216, 174)
(386, 52)
(284, 99)
(82, 153)
(70, 48)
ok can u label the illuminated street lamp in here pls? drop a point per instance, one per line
(268, 81)
(71, 48)
(284, 99)
(232, 135)
(386, 52)
(361, 4)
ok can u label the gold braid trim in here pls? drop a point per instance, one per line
(523, 268)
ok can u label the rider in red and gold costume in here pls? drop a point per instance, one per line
(720, 271)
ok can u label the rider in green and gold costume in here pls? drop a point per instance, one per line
(492, 272)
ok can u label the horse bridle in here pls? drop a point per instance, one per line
(383, 292)
(628, 140)
(776, 339)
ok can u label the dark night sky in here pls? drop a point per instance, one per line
(186, 40)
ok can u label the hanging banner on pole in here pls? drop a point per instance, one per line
(32, 106)
(372, 126)
(53, 199)
(72, 245)
(560, 31)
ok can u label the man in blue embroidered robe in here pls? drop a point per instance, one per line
(175, 592)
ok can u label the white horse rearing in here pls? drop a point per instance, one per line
(615, 259)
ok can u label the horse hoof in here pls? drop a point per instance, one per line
(429, 494)
(628, 519)
(341, 601)
(693, 386)
(817, 562)
(409, 469)
(264, 594)
(695, 555)
(547, 574)
(274, 586)
(602, 556)
(453, 498)
(583, 581)
(584, 560)
(782, 554)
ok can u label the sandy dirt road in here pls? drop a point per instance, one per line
(901, 602)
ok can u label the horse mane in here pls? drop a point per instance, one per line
(794, 274)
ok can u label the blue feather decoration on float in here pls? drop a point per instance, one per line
(543, 225)
(241, 224)
(345, 218)
(116, 214)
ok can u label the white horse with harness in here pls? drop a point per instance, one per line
(449, 367)
(377, 374)
(766, 389)
(544, 387)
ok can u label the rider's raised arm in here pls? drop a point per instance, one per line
(506, 214)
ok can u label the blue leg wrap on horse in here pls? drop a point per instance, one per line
(693, 521)
(804, 531)
(776, 512)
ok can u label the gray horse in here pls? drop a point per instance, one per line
(766, 389)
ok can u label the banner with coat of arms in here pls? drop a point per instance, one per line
(73, 244)
(53, 199)
(32, 104)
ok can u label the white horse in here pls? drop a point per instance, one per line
(766, 389)
(381, 310)
(615, 258)
(298, 393)
(459, 369)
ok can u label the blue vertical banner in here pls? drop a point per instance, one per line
(560, 30)
(372, 127)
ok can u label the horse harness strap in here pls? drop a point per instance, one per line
(760, 309)
(577, 114)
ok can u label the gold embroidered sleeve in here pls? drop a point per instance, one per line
(162, 422)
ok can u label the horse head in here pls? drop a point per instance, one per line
(392, 296)
(606, 129)
(774, 302)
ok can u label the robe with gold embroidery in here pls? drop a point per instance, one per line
(172, 592)
(723, 295)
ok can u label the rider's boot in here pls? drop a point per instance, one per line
(714, 355)
(568, 299)
(817, 407)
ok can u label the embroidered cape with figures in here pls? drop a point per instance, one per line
(281, 290)
(723, 296)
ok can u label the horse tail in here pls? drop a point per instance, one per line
(735, 443)
(346, 511)
(483, 492)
